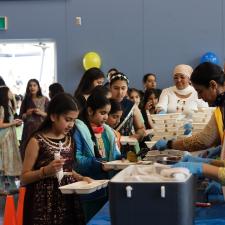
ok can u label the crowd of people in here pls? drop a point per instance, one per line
(86, 129)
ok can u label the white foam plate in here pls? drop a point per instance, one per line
(83, 187)
(206, 109)
(122, 164)
(200, 120)
(159, 136)
(149, 131)
(118, 164)
(199, 125)
(165, 129)
(167, 152)
(128, 140)
(165, 135)
(150, 143)
(167, 116)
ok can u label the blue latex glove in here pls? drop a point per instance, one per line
(162, 112)
(194, 167)
(160, 145)
(190, 158)
(213, 188)
(187, 128)
(214, 152)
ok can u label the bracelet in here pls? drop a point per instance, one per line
(221, 175)
(42, 173)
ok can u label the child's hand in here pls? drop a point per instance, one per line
(134, 137)
(37, 111)
(16, 122)
(29, 111)
(53, 167)
(88, 179)
(104, 168)
(149, 106)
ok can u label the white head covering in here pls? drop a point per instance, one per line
(183, 69)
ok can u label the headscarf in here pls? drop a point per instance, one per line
(183, 69)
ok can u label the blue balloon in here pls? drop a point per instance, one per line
(210, 57)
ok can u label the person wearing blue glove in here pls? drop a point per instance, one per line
(208, 80)
(162, 112)
(200, 169)
(214, 192)
(214, 152)
(195, 168)
(190, 158)
(214, 162)
(213, 188)
(162, 144)
(188, 129)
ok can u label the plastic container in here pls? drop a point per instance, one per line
(83, 187)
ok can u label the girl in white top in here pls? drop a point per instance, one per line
(182, 97)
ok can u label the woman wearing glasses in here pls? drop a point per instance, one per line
(181, 97)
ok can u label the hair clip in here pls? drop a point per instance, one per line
(120, 76)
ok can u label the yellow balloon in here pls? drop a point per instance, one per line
(91, 59)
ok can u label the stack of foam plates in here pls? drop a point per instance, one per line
(122, 164)
(128, 140)
(166, 126)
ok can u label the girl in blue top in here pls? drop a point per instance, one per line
(95, 143)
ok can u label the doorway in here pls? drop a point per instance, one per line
(22, 60)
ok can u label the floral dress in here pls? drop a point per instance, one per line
(33, 121)
(44, 203)
(10, 160)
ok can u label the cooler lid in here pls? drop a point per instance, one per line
(157, 173)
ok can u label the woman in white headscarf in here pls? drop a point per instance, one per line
(182, 97)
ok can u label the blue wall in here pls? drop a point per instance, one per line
(135, 36)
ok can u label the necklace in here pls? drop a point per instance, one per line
(180, 105)
(65, 144)
(101, 146)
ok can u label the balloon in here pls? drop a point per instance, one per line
(210, 57)
(91, 59)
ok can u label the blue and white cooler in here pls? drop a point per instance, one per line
(153, 195)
